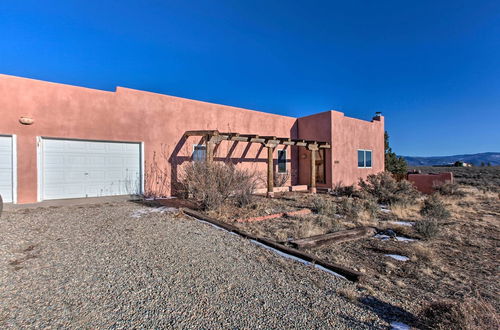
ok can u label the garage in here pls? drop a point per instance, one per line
(7, 168)
(81, 168)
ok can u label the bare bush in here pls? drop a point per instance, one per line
(324, 206)
(428, 229)
(281, 179)
(212, 183)
(350, 208)
(340, 190)
(386, 190)
(157, 177)
(450, 189)
(434, 208)
(470, 313)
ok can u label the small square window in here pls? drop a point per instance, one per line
(365, 158)
(199, 153)
(281, 161)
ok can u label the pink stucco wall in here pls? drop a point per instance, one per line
(427, 183)
(346, 135)
(63, 111)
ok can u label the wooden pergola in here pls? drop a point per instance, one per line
(214, 137)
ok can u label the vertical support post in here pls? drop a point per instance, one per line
(270, 172)
(312, 188)
(209, 152)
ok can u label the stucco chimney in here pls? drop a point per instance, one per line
(378, 114)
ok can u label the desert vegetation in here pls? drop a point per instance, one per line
(448, 241)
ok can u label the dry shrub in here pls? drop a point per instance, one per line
(428, 229)
(422, 252)
(434, 208)
(386, 190)
(340, 190)
(281, 179)
(213, 183)
(450, 189)
(471, 313)
(405, 211)
(307, 229)
(324, 206)
(350, 208)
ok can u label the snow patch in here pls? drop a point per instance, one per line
(397, 238)
(399, 326)
(147, 210)
(403, 223)
(397, 257)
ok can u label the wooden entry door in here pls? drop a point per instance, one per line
(320, 166)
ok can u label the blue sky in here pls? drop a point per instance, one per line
(431, 67)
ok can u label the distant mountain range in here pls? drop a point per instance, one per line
(476, 159)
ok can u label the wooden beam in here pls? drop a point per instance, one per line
(312, 146)
(270, 172)
(209, 152)
(312, 188)
(201, 133)
(257, 140)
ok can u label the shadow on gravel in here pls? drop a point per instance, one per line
(388, 312)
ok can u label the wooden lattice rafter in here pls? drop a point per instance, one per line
(214, 137)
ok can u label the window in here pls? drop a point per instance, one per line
(281, 161)
(364, 158)
(199, 152)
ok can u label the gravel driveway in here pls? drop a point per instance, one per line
(124, 265)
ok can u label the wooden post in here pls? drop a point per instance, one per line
(209, 152)
(270, 172)
(312, 188)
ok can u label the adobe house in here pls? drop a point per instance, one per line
(60, 141)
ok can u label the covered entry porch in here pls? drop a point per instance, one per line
(213, 137)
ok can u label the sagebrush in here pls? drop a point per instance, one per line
(386, 190)
(435, 208)
(212, 184)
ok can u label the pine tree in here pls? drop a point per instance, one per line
(393, 163)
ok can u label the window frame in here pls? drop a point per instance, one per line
(364, 157)
(285, 161)
(204, 148)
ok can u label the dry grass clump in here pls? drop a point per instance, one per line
(311, 225)
(405, 211)
(386, 190)
(324, 206)
(211, 184)
(434, 208)
(471, 313)
(450, 189)
(428, 228)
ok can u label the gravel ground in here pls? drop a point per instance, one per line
(120, 265)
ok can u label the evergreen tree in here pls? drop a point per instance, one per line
(393, 163)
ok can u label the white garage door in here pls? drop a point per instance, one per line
(74, 169)
(6, 169)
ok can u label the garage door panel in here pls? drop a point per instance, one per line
(96, 175)
(90, 168)
(69, 190)
(96, 161)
